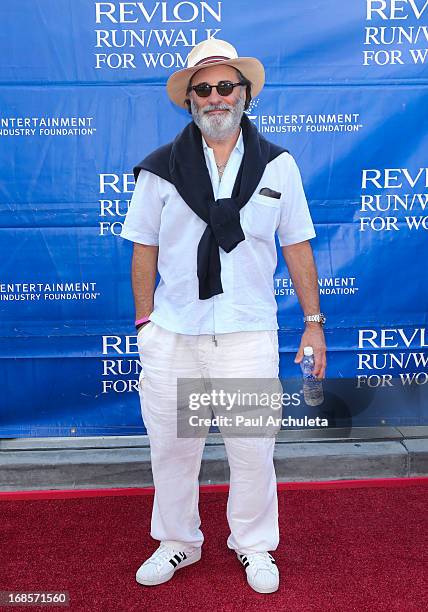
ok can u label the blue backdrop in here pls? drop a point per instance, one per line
(82, 100)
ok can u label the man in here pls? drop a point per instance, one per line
(204, 214)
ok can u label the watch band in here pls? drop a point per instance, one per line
(316, 318)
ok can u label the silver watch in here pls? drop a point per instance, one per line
(317, 318)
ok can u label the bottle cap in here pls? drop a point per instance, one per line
(308, 351)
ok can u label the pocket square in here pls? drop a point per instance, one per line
(270, 193)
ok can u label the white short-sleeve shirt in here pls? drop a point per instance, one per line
(159, 216)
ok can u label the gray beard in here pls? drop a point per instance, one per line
(218, 127)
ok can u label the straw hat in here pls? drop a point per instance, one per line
(214, 52)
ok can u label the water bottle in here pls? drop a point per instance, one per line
(312, 387)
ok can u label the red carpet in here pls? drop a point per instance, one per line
(341, 549)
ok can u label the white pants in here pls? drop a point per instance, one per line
(252, 507)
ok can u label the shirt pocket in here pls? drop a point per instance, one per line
(261, 217)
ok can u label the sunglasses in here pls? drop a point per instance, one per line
(224, 88)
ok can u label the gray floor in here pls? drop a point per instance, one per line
(124, 461)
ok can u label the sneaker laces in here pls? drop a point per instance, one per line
(262, 559)
(164, 553)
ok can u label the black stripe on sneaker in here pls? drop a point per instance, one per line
(173, 563)
(178, 558)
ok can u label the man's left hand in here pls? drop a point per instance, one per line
(314, 336)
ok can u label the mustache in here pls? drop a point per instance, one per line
(212, 107)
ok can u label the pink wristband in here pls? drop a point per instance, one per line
(143, 320)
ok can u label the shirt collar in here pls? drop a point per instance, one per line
(239, 143)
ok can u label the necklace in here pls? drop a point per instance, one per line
(221, 168)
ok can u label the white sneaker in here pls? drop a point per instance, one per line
(262, 572)
(160, 567)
